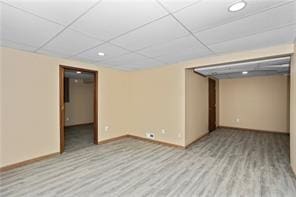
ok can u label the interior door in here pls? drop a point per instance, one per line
(212, 105)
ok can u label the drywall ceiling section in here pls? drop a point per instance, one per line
(137, 34)
(272, 66)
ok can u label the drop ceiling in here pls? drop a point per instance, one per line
(252, 68)
(137, 34)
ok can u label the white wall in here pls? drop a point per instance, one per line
(79, 109)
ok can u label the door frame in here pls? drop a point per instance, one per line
(215, 110)
(62, 69)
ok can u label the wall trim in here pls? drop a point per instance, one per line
(197, 139)
(156, 141)
(34, 160)
(27, 162)
(112, 139)
(256, 130)
(77, 125)
(142, 139)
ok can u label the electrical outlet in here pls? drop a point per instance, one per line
(237, 119)
(150, 135)
(163, 131)
(179, 135)
(106, 128)
(67, 119)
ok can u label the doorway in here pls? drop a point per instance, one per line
(212, 104)
(64, 95)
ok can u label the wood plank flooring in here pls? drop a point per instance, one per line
(224, 163)
(78, 137)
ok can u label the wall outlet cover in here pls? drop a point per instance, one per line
(106, 128)
(150, 135)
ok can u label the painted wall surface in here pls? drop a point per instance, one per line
(79, 109)
(135, 102)
(157, 98)
(255, 103)
(157, 95)
(1, 110)
(197, 110)
(30, 96)
(293, 113)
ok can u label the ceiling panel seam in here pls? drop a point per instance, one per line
(67, 26)
(243, 17)
(186, 28)
(274, 29)
(31, 13)
(256, 33)
(123, 34)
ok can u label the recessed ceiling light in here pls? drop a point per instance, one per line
(237, 6)
(245, 72)
(78, 72)
(101, 54)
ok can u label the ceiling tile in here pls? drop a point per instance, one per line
(272, 19)
(211, 13)
(266, 39)
(63, 12)
(185, 55)
(71, 42)
(113, 17)
(53, 53)
(109, 51)
(21, 27)
(174, 5)
(14, 45)
(131, 60)
(157, 32)
(174, 47)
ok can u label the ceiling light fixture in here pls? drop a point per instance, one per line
(78, 72)
(237, 6)
(245, 72)
(101, 54)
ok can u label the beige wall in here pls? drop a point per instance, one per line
(135, 102)
(1, 109)
(255, 103)
(293, 113)
(196, 103)
(30, 96)
(157, 98)
(157, 95)
(79, 109)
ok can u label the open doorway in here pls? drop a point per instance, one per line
(78, 108)
(251, 95)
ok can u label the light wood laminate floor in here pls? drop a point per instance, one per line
(224, 163)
